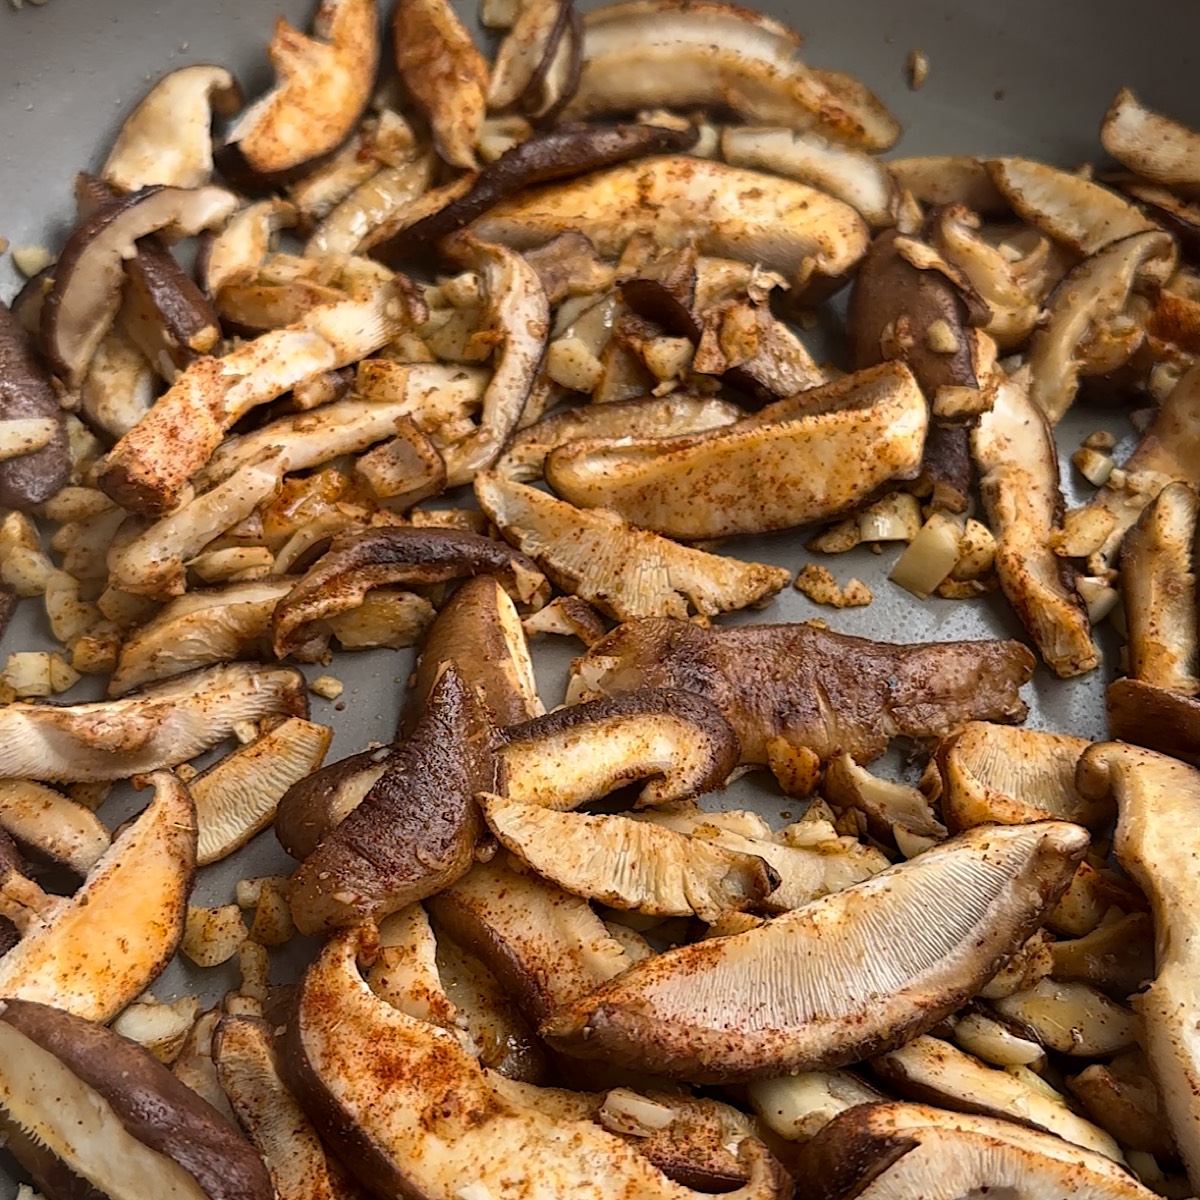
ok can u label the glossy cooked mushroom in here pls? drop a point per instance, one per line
(1151, 144)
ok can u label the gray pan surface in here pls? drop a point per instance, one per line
(1028, 76)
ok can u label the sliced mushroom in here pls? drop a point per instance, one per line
(1158, 585)
(149, 467)
(762, 476)
(1018, 462)
(1002, 775)
(1155, 717)
(629, 864)
(809, 686)
(1094, 892)
(1154, 146)
(809, 237)
(167, 138)
(677, 742)
(93, 953)
(236, 253)
(86, 294)
(675, 415)
(357, 562)
(525, 54)
(248, 1068)
(896, 1151)
(994, 1041)
(166, 724)
(939, 179)
(1117, 956)
(50, 826)
(930, 1070)
(569, 266)
(90, 1112)
(1120, 1096)
(444, 73)
(655, 54)
(1072, 1018)
(323, 84)
(694, 1013)
(27, 393)
(797, 1107)
(623, 571)
(376, 1108)
(236, 798)
(1075, 211)
(894, 812)
(415, 830)
(1088, 310)
(1157, 798)
(547, 947)
(195, 1067)
(119, 388)
(557, 154)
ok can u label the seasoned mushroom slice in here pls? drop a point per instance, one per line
(444, 73)
(1158, 800)
(415, 830)
(809, 237)
(375, 1082)
(323, 84)
(851, 974)
(1158, 585)
(679, 743)
(797, 1107)
(537, 62)
(88, 279)
(1004, 775)
(1018, 466)
(750, 478)
(629, 864)
(51, 827)
(1072, 1018)
(624, 572)
(119, 388)
(360, 561)
(1155, 717)
(26, 393)
(898, 1151)
(1121, 1097)
(1117, 956)
(91, 1113)
(1154, 146)
(940, 179)
(168, 723)
(167, 138)
(894, 812)
(480, 632)
(93, 953)
(650, 54)
(931, 1070)
(808, 686)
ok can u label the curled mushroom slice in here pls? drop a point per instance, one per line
(896, 1151)
(753, 477)
(168, 723)
(804, 686)
(167, 138)
(149, 467)
(119, 388)
(87, 1109)
(629, 864)
(235, 253)
(674, 415)
(806, 235)
(1071, 1017)
(661, 54)
(623, 571)
(1075, 211)
(1086, 308)
(375, 1108)
(27, 393)
(358, 562)
(205, 626)
(93, 953)
(894, 812)
(236, 798)
(50, 826)
(526, 58)
(933, 1071)
(694, 1013)
(323, 84)
(678, 743)
(1003, 775)
(444, 73)
(86, 293)
(516, 315)
(940, 179)
(860, 180)
(1158, 585)
(1151, 144)
(415, 830)
(1157, 800)
(1018, 464)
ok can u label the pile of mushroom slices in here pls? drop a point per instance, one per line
(546, 968)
